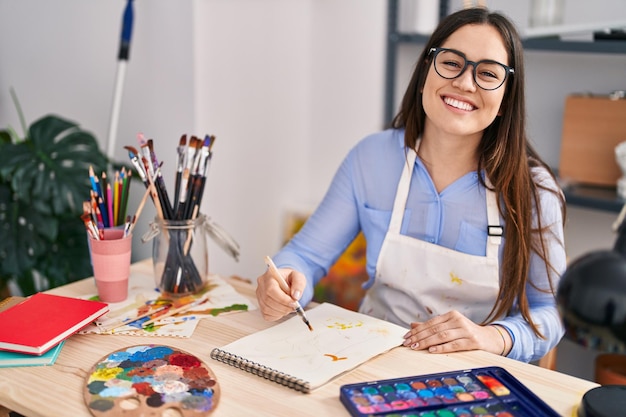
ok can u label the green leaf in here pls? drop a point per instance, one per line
(26, 234)
(69, 261)
(44, 179)
(44, 131)
(5, 137)
(52, 165)
(26, 283)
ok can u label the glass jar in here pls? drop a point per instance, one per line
(180, 255)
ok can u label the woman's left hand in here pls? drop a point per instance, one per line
(453, 332)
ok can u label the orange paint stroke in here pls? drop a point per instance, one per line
(334, 357)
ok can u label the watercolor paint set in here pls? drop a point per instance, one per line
(480, 392)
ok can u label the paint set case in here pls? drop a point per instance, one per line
(480, 392)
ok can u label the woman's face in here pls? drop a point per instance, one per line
(458, 106)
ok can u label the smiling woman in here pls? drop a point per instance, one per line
(463, 220)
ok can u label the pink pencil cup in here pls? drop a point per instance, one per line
(111, 265)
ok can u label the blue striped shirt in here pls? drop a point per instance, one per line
(361, 197)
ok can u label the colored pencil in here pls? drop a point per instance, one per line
(99, 199)
(116, 195)
(101, 205)
(110, 205)
(96, 210)
(92, 179)
(120, 192)
(103, 188)
(125, 191)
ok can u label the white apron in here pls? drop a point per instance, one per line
(417, 280)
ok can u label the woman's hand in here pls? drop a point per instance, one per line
(453, 332)
(274, 302)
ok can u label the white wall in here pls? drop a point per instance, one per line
(287, 87)
(253, 92)
(61, 57)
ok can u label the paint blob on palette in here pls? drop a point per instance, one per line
(481, 392)
(151, 380)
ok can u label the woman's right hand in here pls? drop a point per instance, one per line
(274, 302)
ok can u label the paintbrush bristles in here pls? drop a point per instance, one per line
(194, 155)
(134, 158)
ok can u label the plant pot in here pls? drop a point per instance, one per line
(611, 369)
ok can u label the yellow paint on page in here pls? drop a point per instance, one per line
(455, 279)
(344, 325)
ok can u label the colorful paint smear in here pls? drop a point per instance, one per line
(146, 303)
(151, 377)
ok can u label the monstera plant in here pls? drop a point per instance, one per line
(44, 179)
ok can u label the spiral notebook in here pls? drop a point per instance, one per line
(291, 355)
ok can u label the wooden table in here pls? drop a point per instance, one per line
(57, 390)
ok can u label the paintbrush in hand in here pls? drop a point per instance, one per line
(283, 286)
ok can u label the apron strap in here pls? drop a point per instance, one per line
(402, 193)
(494, 229)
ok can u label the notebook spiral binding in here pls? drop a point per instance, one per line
(260, 370)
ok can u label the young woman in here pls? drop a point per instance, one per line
(463, 220)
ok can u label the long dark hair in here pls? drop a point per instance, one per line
(505, 155)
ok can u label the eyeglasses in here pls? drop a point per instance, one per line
(488, 74)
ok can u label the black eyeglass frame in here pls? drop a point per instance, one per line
(435, 51)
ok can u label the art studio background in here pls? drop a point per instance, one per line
(287, 87)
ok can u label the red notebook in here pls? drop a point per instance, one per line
(42, 320)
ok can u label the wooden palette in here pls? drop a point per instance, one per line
(151, 380)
